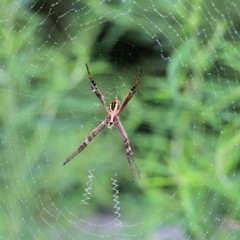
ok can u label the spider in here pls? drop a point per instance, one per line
(113, 112)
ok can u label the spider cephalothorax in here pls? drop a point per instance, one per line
(112, 119)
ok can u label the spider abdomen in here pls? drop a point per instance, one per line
(114, 105)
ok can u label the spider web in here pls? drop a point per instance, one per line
(182, 123)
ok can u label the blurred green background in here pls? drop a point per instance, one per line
(183, 122)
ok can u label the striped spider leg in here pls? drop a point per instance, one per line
(130, 94)
(129, 151)
(96, 90)
(88, 140)
(113, 112)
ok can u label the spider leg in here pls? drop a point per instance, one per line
(130, 94)
(96, 90)
(88, 139)
(129, 151)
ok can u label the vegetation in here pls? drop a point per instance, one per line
(183, 122)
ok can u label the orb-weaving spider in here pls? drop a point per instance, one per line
(112, 119)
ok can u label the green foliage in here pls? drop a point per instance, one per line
(183, 122)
